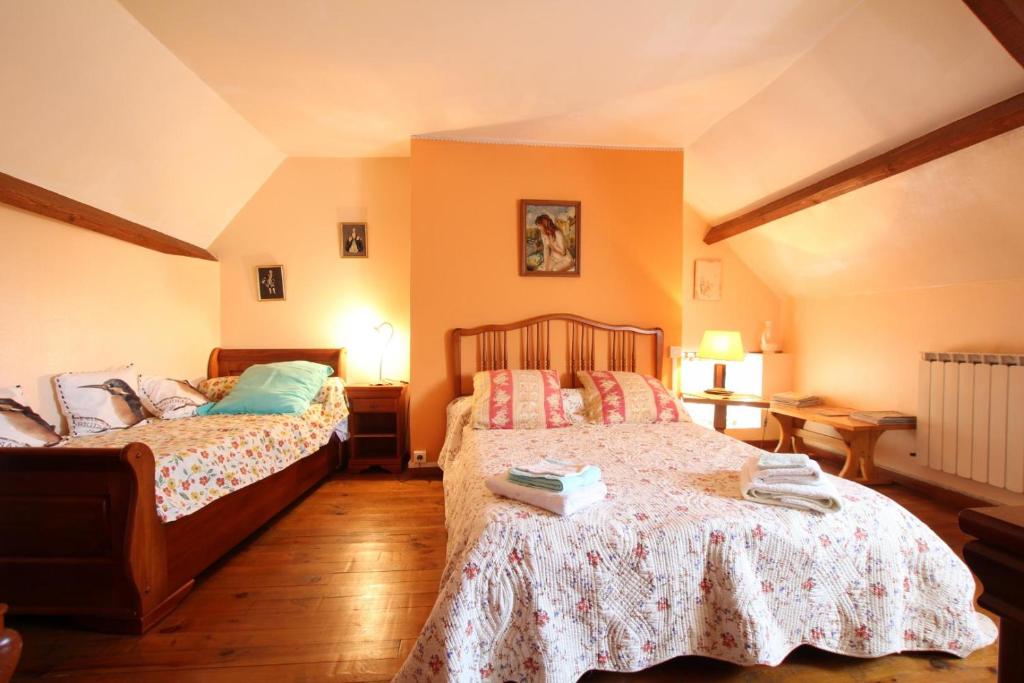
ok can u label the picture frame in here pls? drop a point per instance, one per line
(550, 238)
(353, 239)
(707, 279)
(270, 283)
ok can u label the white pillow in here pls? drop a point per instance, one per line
(20, 425)
(94, 402)
(170, 399)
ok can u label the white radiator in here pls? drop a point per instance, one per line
(970, 416)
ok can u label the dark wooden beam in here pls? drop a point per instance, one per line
(1005, 20)
(29, 197)
(970, 130)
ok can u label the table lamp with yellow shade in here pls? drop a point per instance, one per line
(721, 345)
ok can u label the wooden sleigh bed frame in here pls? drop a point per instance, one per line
(80, 535)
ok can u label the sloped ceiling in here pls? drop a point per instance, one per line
(96, 109)
(890, 71)
(358, 78)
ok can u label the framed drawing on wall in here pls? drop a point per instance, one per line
(707, 279)
(270, 283)
(353, 240)
(549, 237)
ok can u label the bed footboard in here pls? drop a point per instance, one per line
(79, 535)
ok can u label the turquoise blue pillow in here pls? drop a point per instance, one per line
(272, 389)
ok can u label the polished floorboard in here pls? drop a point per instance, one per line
(338, 587)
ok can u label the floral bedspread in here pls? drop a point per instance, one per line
(673, 563)
(200, 459)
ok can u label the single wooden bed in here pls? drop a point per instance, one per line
(80, 534)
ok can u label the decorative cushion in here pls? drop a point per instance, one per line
(216, 388)
(20, 425)
(517, 399)
(627, 397)
(272, 389)
(170, 399)
(94, 402)
(572, 404)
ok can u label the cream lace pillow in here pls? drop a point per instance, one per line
(94, 402)
(517, 399)
(627, 397)
(20, 425)
(170, 399)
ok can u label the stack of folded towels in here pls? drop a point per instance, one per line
(561, 486)
(790, 480)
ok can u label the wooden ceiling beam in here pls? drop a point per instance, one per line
(25, 195)
(970, 130)
(1005, 20)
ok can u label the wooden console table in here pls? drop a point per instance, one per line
(997, 559)
(857, 438)
(722, 403)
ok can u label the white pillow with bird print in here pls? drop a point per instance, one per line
(170, 399)
(94, 402)
(20, 425)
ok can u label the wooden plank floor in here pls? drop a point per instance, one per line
(338, 587)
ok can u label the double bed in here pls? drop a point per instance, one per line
(673, 562)
(113, 528)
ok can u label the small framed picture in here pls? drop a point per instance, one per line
(353, 240)
(707, 279)
(270, 283)
(549, 237)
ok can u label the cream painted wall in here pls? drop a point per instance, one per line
(75, 300)
(863, 351)
(96, 108)
(330, 301)
(746, 302)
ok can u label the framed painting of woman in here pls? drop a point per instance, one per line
(549, 238)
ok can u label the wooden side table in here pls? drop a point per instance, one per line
(722, 403)
(858, 438)
(997, 558)
(377, 426)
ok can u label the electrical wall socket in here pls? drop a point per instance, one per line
(419, 459)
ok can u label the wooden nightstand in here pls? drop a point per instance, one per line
(377, 426)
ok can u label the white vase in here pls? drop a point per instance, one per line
(768, 343)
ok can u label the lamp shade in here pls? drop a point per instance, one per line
(721, 345)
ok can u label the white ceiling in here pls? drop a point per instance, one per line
(358, 78)
(92, 107)
(946, 222)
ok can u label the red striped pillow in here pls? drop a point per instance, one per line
(627, 397)
(517, 399)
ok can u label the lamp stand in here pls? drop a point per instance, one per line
(719, 388)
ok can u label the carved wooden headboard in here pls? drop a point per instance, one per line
(228, 362)
(558, 341)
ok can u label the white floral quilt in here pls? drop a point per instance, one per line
(673, 563)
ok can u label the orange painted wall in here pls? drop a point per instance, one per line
(464, 248)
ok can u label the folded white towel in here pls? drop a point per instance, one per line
(821, 497)
(768, 460)
(554, 468)
(809, 475)
(559, 503)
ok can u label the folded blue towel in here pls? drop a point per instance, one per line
(564, 483)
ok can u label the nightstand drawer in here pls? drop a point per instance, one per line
(373, 405)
